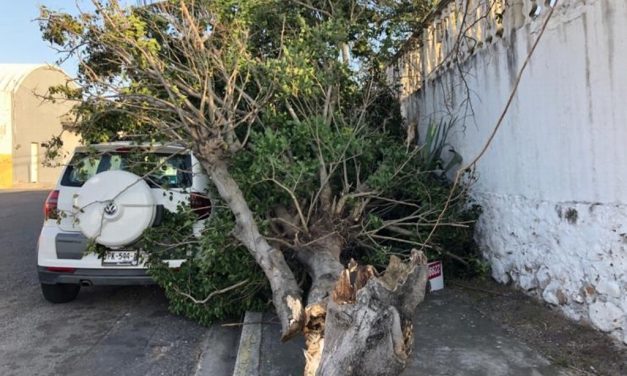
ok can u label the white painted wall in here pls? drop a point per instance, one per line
(553, 184)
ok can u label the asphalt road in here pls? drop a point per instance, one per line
(105, 331)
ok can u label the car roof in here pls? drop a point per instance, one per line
(126, 146)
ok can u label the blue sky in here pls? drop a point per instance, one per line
(20, 39)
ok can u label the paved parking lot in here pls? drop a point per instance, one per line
(106, 331)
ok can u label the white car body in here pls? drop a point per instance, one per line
(62, 260)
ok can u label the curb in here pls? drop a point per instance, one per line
(203, 358)
(247, 362)
(217, 351)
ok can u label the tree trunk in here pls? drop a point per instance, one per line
(368, 328)
(346, 54)
(322, 260)
(354, 323)
(287, 296)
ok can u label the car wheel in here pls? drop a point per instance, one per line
(60, 293)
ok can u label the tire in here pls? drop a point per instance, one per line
(60, 293)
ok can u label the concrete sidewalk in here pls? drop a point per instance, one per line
(469, 328)
(451, 338)
(25, 187)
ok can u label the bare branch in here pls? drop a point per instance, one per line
(212, 294)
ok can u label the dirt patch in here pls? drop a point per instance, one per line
(562, 341)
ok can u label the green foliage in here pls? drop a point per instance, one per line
(412, 189)
(436, 143)
(214, 261)
(292, 96)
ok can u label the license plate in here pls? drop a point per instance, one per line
(128, 258)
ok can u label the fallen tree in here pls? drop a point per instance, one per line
(286, 107)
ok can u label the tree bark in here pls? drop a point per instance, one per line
(287, 296)
(322, 260)
(346, 54)
(368, 329)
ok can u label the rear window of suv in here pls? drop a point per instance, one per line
(158, 169)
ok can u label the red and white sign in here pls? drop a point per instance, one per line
(436, 275)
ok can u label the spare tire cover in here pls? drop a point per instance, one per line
(114, 208)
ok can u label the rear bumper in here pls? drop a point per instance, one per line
(98, 277)
(57, 248)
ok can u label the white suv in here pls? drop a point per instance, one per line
(98, 199)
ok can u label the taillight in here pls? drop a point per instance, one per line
(50, 206)
(200, 204)
(60, 269)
